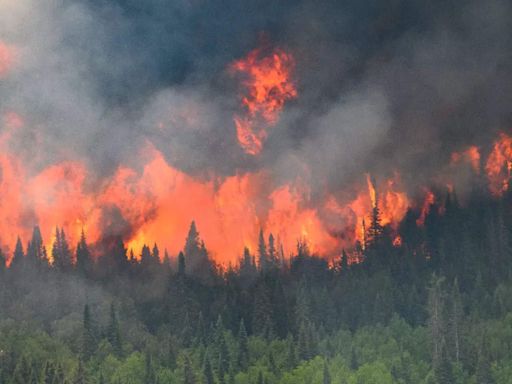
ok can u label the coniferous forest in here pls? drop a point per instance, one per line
(255, 192)
(436, 308)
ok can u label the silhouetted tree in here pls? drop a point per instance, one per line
(83, 258)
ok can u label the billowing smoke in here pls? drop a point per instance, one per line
(121, 116)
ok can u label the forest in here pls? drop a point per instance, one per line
(435, 308)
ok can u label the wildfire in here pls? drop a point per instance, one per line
(371, 190)
(267, 79)
(499, 164)
(425, 208)
(471, 156)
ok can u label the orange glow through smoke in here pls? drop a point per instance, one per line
(499, 164)
(267, 82)
(6, 58)
(471, 156)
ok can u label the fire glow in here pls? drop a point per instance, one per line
(6, 58)
(268, 85)
(155, 204)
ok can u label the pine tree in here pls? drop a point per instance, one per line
(247, 269)
(36, 252)
(113, 332)
(155, 253)
(149, 371)
(436, 318)
(456, 315)
(272, 254)
(483, 372)
(262, 321)
(83, 257)
(304, 342)
(262, 252)
(443, 370)
(326, 375)
(3, 262)
(167, 260)
(260, 378)
(291, 354)
(243, 348)
(60, 251)
(196, 256)
(181, 264)
(88, 337)
(223, 366)
(188, 372)
(192, 241)
(18, 257)
(344, 261)
(207, 371)
(375, 231)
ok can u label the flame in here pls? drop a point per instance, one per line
(267, 79)
(471, 156)
(425, 208)
(499, 164)
(392, 204)
(156, 203)
(371, 190)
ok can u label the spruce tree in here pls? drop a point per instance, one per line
(155, 253)
(326, 374)
(207, 371)
(88, 336)
(436, 321)
(483, 372)
(262, 252)
(36, 252)
(181, 264)
(83, 258)
(60, 251)
(149, 371)
(188, 372)
(344, 261)
(443, 370)
(113, 332)
(18, 257)
(272, 254)
(243, 348)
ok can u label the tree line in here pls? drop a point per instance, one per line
(435, 309)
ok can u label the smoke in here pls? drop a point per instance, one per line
(381, 88)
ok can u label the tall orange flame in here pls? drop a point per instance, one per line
(267, 79)
(499, 164)
(371, 190)
(425, 208)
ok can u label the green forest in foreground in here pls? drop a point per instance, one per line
(437, 309)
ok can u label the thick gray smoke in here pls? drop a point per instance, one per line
(382, 86)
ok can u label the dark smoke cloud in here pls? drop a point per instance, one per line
(382, 86)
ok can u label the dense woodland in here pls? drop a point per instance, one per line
(436, 309)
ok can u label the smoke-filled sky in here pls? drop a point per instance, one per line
(382, 88)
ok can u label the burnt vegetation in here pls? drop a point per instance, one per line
(434, 308)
